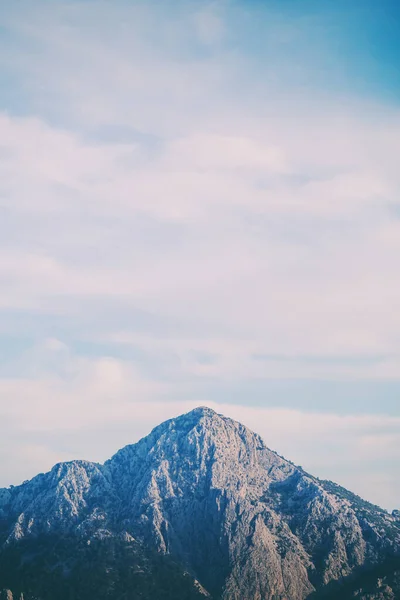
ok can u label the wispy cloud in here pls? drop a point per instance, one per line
(183, 190)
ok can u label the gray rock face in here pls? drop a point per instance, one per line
(246, 523)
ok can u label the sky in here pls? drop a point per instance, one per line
(200, 205)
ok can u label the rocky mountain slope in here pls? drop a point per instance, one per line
(200, 507)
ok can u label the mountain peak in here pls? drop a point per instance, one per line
(181, 425)
(203, 411)
(205, 489)
(201, 421)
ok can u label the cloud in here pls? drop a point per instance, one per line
(217, 246)
(191, 195)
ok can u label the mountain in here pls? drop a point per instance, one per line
(199, 508)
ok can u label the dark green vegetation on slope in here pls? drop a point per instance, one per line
(59, 568)
(381, 582)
